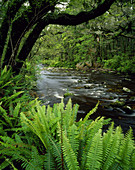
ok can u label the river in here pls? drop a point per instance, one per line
(115, 92)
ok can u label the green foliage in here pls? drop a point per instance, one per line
(64, 49)
(53, 139)
(72, 46)
(121, 63)
(10, 120)
(68, 93)
(11, 87)
(108, 39)
(14, 98)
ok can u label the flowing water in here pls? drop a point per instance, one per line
(116, 93)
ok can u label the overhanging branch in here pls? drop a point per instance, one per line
(67, 19)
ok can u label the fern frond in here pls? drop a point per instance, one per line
(126, 150)
(36, 161)
(52, 121)
(69, 154)
(133, 159)
(5, 116)
(74, 114)
(58, 108)
(112, 149)
(49, 161)
(14, 96)
(67, 114)
(37, 128)
(40, 118)
(90, 131)
(73, 138)
(7, 164)
(4, 164)
(95, 153)
(108, 138)
(90, 113)
(55, 149)
(6, 84)
(26, 155)
(18, 152)
(95, 125)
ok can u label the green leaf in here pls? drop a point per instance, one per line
(69, 155)
(95, 153)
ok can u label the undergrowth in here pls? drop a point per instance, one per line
(33, 136)
(50, 138)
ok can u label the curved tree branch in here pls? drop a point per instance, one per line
(67, 19)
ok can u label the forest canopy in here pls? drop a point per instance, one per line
(106, 41)
(21, 23)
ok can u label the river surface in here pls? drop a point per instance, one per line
(115, 92)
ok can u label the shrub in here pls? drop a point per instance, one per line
(121, 63)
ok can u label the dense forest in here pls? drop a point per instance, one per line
(107, 41)
(81, 34)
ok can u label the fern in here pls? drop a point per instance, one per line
(49, 162)
(36, 161)
(74, 114)
(126, 149)
(113, 149)
(50, 138)
(6, 117)
(90, 113)
(95, 153)
(67, 114)
(69, 154)
(6, 163)
(20, 152)
(36, 128)
(12, 97)
(73, 138)
(54, 152)
(133, 159)
(91, 130)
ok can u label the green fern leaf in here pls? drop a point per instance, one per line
(16, 110)
(36, 161)
(67, 115)
(126, 151)
(14, 96)
(95, 153)
(55, 149)
(108, 138)
(91, 130)
(133, 159)
(113, 149)
(74, 114)
(49, 161)
(73, 138)
(5, 116)
(69, 155)
(90, 113)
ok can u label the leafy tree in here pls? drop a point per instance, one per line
(22, 21)
(99, 40)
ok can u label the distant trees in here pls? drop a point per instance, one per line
(21, 22)
(104, 39)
